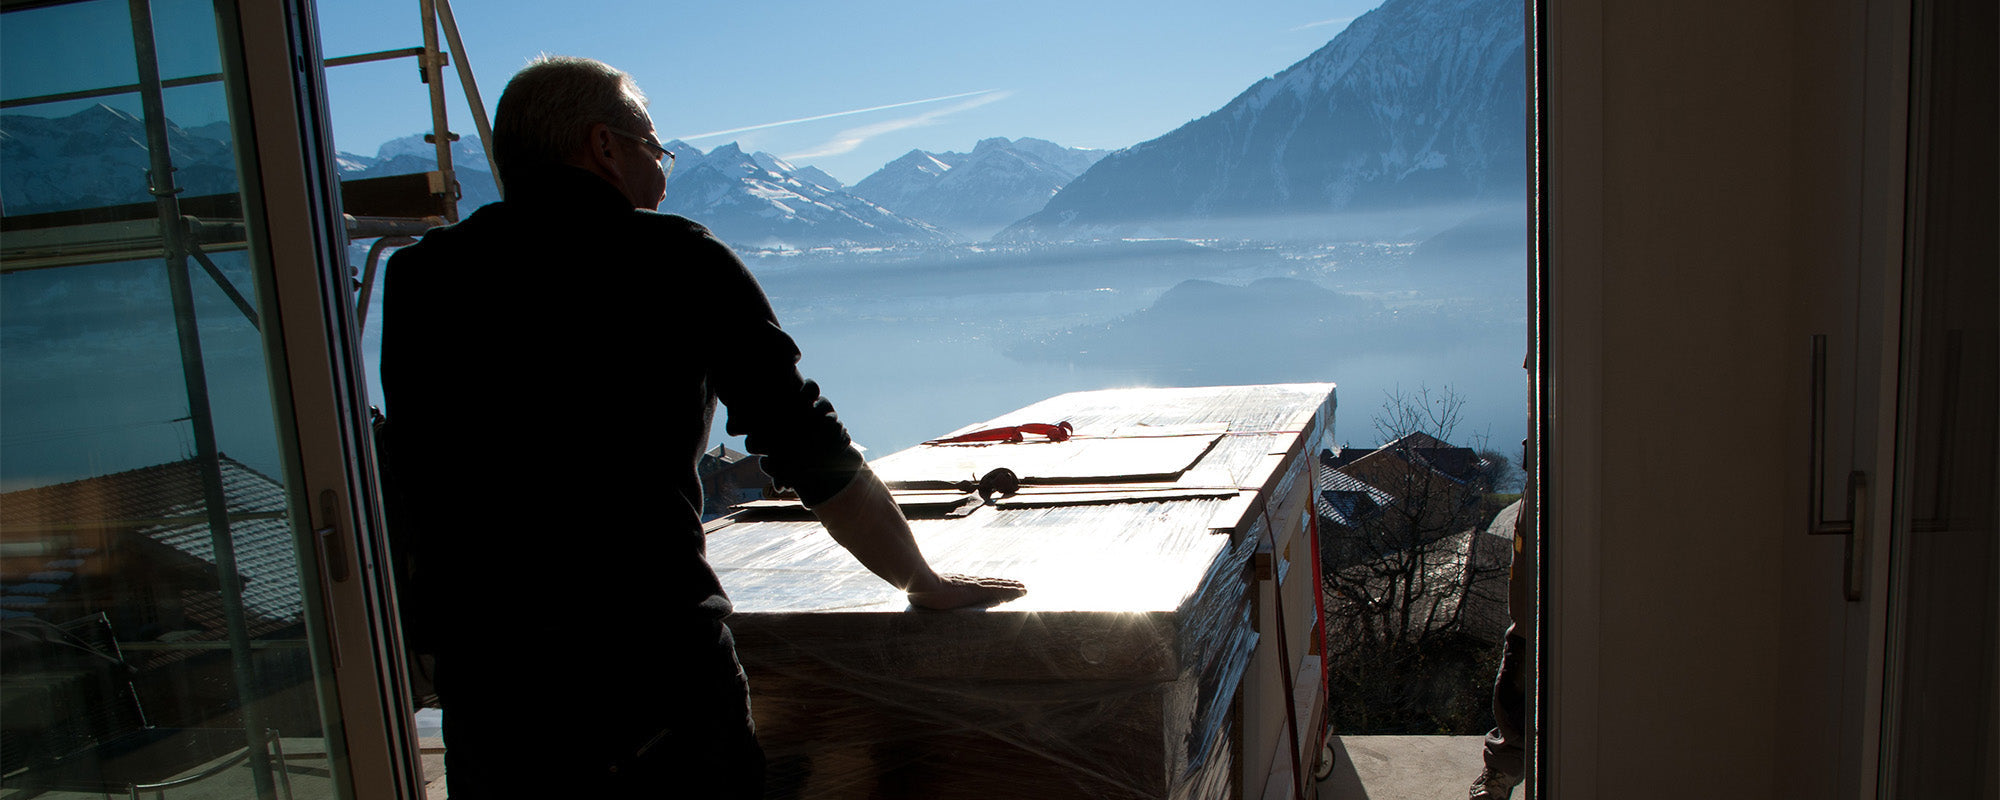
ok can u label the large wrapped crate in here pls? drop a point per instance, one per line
(1119, 675)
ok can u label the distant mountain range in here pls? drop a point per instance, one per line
(411, 154)
(40, 170)
(1224, 331)
(750, 199)
(1416, 103)
(760, 200)
(976, 194)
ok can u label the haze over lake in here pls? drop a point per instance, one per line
(911, 343)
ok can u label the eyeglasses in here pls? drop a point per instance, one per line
(665, 156)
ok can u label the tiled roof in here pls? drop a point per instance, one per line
(724, 454)
(1458, 463)
(718, 458)
(164, 504)
(1340, 509)
(1333, 480)
(1343, 456)
(1419, 441)
(1461, 464)
(1343, 499)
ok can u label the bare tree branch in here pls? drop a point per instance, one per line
(1399, 579)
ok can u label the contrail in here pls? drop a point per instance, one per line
(846, 141)
(1334, 21)
(836, 114)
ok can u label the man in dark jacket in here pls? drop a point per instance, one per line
(552, 365)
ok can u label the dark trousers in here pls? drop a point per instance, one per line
(1506, 747)
(563, 717)
(1506, 744)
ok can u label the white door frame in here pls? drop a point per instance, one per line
(367, 708)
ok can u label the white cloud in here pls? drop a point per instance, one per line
(846, 141)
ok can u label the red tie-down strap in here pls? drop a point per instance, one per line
(1058, 432)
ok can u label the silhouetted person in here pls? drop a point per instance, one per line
(552, 365)
(1506, 745)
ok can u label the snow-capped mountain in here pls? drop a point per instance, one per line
(467, 152)
(411, 154)
(1417, 102)
(41, 168)
(975, 194)
(749, 199)
(759, 200)
(900, 182)
(809, 173)
(98, 157)
(1073, 160)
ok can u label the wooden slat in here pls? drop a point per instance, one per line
(1081, 495)
(227, 206)
(405, 196)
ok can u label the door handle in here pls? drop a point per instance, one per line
(332, 554)
(333, 551)
(1855, 526)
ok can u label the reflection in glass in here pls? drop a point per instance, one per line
(152, 598)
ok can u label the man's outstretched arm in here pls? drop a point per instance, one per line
(864, 519)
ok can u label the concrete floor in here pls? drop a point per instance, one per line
(1366, 768)
(1403, 768)
(432, 750)
(305, 772)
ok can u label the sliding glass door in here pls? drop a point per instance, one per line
(183, 530)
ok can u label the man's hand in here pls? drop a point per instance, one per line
(962, 591)
(863, 518)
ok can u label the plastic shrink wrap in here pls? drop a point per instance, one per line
(1116, 677)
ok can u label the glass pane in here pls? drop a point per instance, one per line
(153, 589)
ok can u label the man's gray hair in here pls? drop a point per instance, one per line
(545, 114)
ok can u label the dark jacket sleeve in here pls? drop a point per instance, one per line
(753, 370)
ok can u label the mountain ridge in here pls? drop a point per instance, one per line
(1417, 102)
(761, 201)
(39, 173)
(977, 194)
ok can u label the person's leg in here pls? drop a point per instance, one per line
(709, 747)
(728, 766)
(544, 722)
(1505, 750)
(1506, 744)
(524, 736)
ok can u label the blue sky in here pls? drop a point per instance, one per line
(848, 87)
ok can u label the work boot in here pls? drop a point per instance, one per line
(1494, 785)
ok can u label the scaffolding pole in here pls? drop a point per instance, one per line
(160, 182)
(463, 64)
(441, 136)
